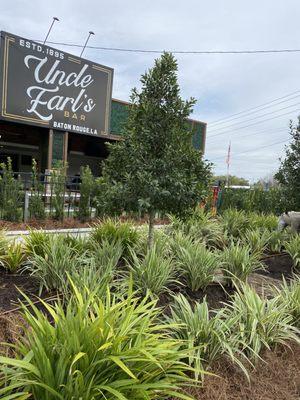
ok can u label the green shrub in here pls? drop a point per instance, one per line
(86, 190)
(238, 262)
(208, 334)
(36, 205)
(58, 185)
(292, 247)
(11, 193)
(95, 349)
(114, 230)
(196, 264)
(261, 323)
(153, 272)
(255, 199)
(14, 256)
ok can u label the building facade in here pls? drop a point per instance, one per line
(58, 107)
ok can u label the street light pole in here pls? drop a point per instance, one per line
(51, 26)
(86, 42)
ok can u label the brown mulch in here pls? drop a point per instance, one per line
(10, 287)
(12, 327)
(67, 223)
(278, 378)
(278, 266)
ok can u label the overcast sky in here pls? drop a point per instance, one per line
(222, 84)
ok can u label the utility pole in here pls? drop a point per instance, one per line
(51, 26)
(86, 42)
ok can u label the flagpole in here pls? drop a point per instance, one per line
(228, 164)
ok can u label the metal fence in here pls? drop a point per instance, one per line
(44, 187)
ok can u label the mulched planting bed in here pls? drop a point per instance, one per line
(278, 266)
(277, 378)
(9, 285)
(67, 223)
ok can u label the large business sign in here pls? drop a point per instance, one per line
(47, 87)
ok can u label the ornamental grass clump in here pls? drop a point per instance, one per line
(113, 230)
(234, 222)
(3, 243)
(196, 264)
(289, 292)
(261, 323)
(36, 242)
(14, 256)
(276, 241)
(95, 349)
(257, 240)
(52, 264)
(292, 247)
(263, 221)
(201, 226)
(207, 333)
(238, 262)
(154, 272)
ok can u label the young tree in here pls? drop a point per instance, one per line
(156, 169)
(288, 174)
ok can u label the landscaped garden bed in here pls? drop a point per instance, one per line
(227, 294)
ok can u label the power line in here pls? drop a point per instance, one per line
(255, 111)
(254, 108)
(255, 123)
(263, 51)
(284, 129)
(254, 149)
(253, 119)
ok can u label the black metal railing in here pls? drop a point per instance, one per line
(45, 187)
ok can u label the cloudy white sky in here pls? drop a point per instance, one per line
(222, 84)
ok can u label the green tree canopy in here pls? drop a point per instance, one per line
(156, 168)
(288, 174)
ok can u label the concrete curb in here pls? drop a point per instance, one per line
(80, 232)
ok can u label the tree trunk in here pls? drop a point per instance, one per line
(151, 229)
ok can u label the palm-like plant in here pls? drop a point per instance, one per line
(238, 262)
(95, 349)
